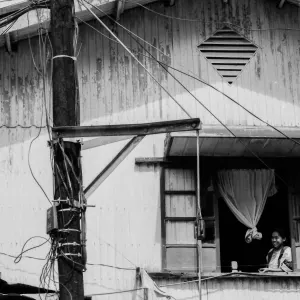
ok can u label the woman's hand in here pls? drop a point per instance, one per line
(263, 270)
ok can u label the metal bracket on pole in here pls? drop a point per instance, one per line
(112, 165)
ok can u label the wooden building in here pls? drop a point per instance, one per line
(235, 65)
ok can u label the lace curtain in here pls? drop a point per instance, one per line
(246, 192)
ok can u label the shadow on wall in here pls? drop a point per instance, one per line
(114, 89)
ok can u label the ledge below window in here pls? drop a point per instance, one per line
(218, 275)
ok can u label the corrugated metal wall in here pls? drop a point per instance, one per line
(125, 225)
(235, 289)
(124, 229)
(23, 204)
(115, 89)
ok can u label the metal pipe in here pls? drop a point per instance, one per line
(199, 242)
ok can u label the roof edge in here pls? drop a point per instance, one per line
(29, 26)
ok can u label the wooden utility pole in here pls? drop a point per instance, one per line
(67, 167)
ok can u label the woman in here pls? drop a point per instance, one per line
(279, 258)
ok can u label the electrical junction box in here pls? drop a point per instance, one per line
(52, 223)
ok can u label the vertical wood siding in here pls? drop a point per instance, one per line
(116, 89)
(124, 228)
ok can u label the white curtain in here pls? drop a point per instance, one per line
(245, 192)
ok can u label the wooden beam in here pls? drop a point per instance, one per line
(126, 129)
(104, 140)
(280, 3)
(99, 179)
(120, 5)
(241, 131)
(8, 43)
(168, 144)
(186, 162)
(150, 160)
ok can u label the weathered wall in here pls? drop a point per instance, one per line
(115, 89)
(236, 288)
(124, 229)
(23, 205)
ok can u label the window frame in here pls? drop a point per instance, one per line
(190, 164)
(215, 218)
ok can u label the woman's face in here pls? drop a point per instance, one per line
(277, 240)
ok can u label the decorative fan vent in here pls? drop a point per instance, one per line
(228, 52)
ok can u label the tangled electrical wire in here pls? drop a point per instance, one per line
(48, 271)
(12, 17)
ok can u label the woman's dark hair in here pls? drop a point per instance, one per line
(280, 231)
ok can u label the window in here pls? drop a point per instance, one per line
(224, 240)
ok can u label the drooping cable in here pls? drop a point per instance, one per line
(191, 76)
(20, 256)
(17, 14)
(32, 141)
(218, 119)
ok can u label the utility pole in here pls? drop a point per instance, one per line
(67, 166)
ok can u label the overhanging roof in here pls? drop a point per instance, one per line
(25, 27)
(215, 141)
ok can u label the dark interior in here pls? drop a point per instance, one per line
(250, 257)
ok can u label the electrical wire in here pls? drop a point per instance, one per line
(29, 165)
(182, 283)
(182, 72)
(44, 104)
(20, 256)
(15, 15)
(22, 126)
(234, 274)
(13, 256)
(116, 292)
(114, 248)
(30, 48)
(209, 111)
(9, 27)
(209, 23)
(110, 266)
(217, 118)
(86, 23)
(28, 158)
(245, 145)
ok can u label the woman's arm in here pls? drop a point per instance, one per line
(263, 270)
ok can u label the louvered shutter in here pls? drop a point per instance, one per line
(228, 52)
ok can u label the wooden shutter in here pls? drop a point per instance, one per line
(179, 210)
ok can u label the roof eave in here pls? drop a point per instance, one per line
(28, 26)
